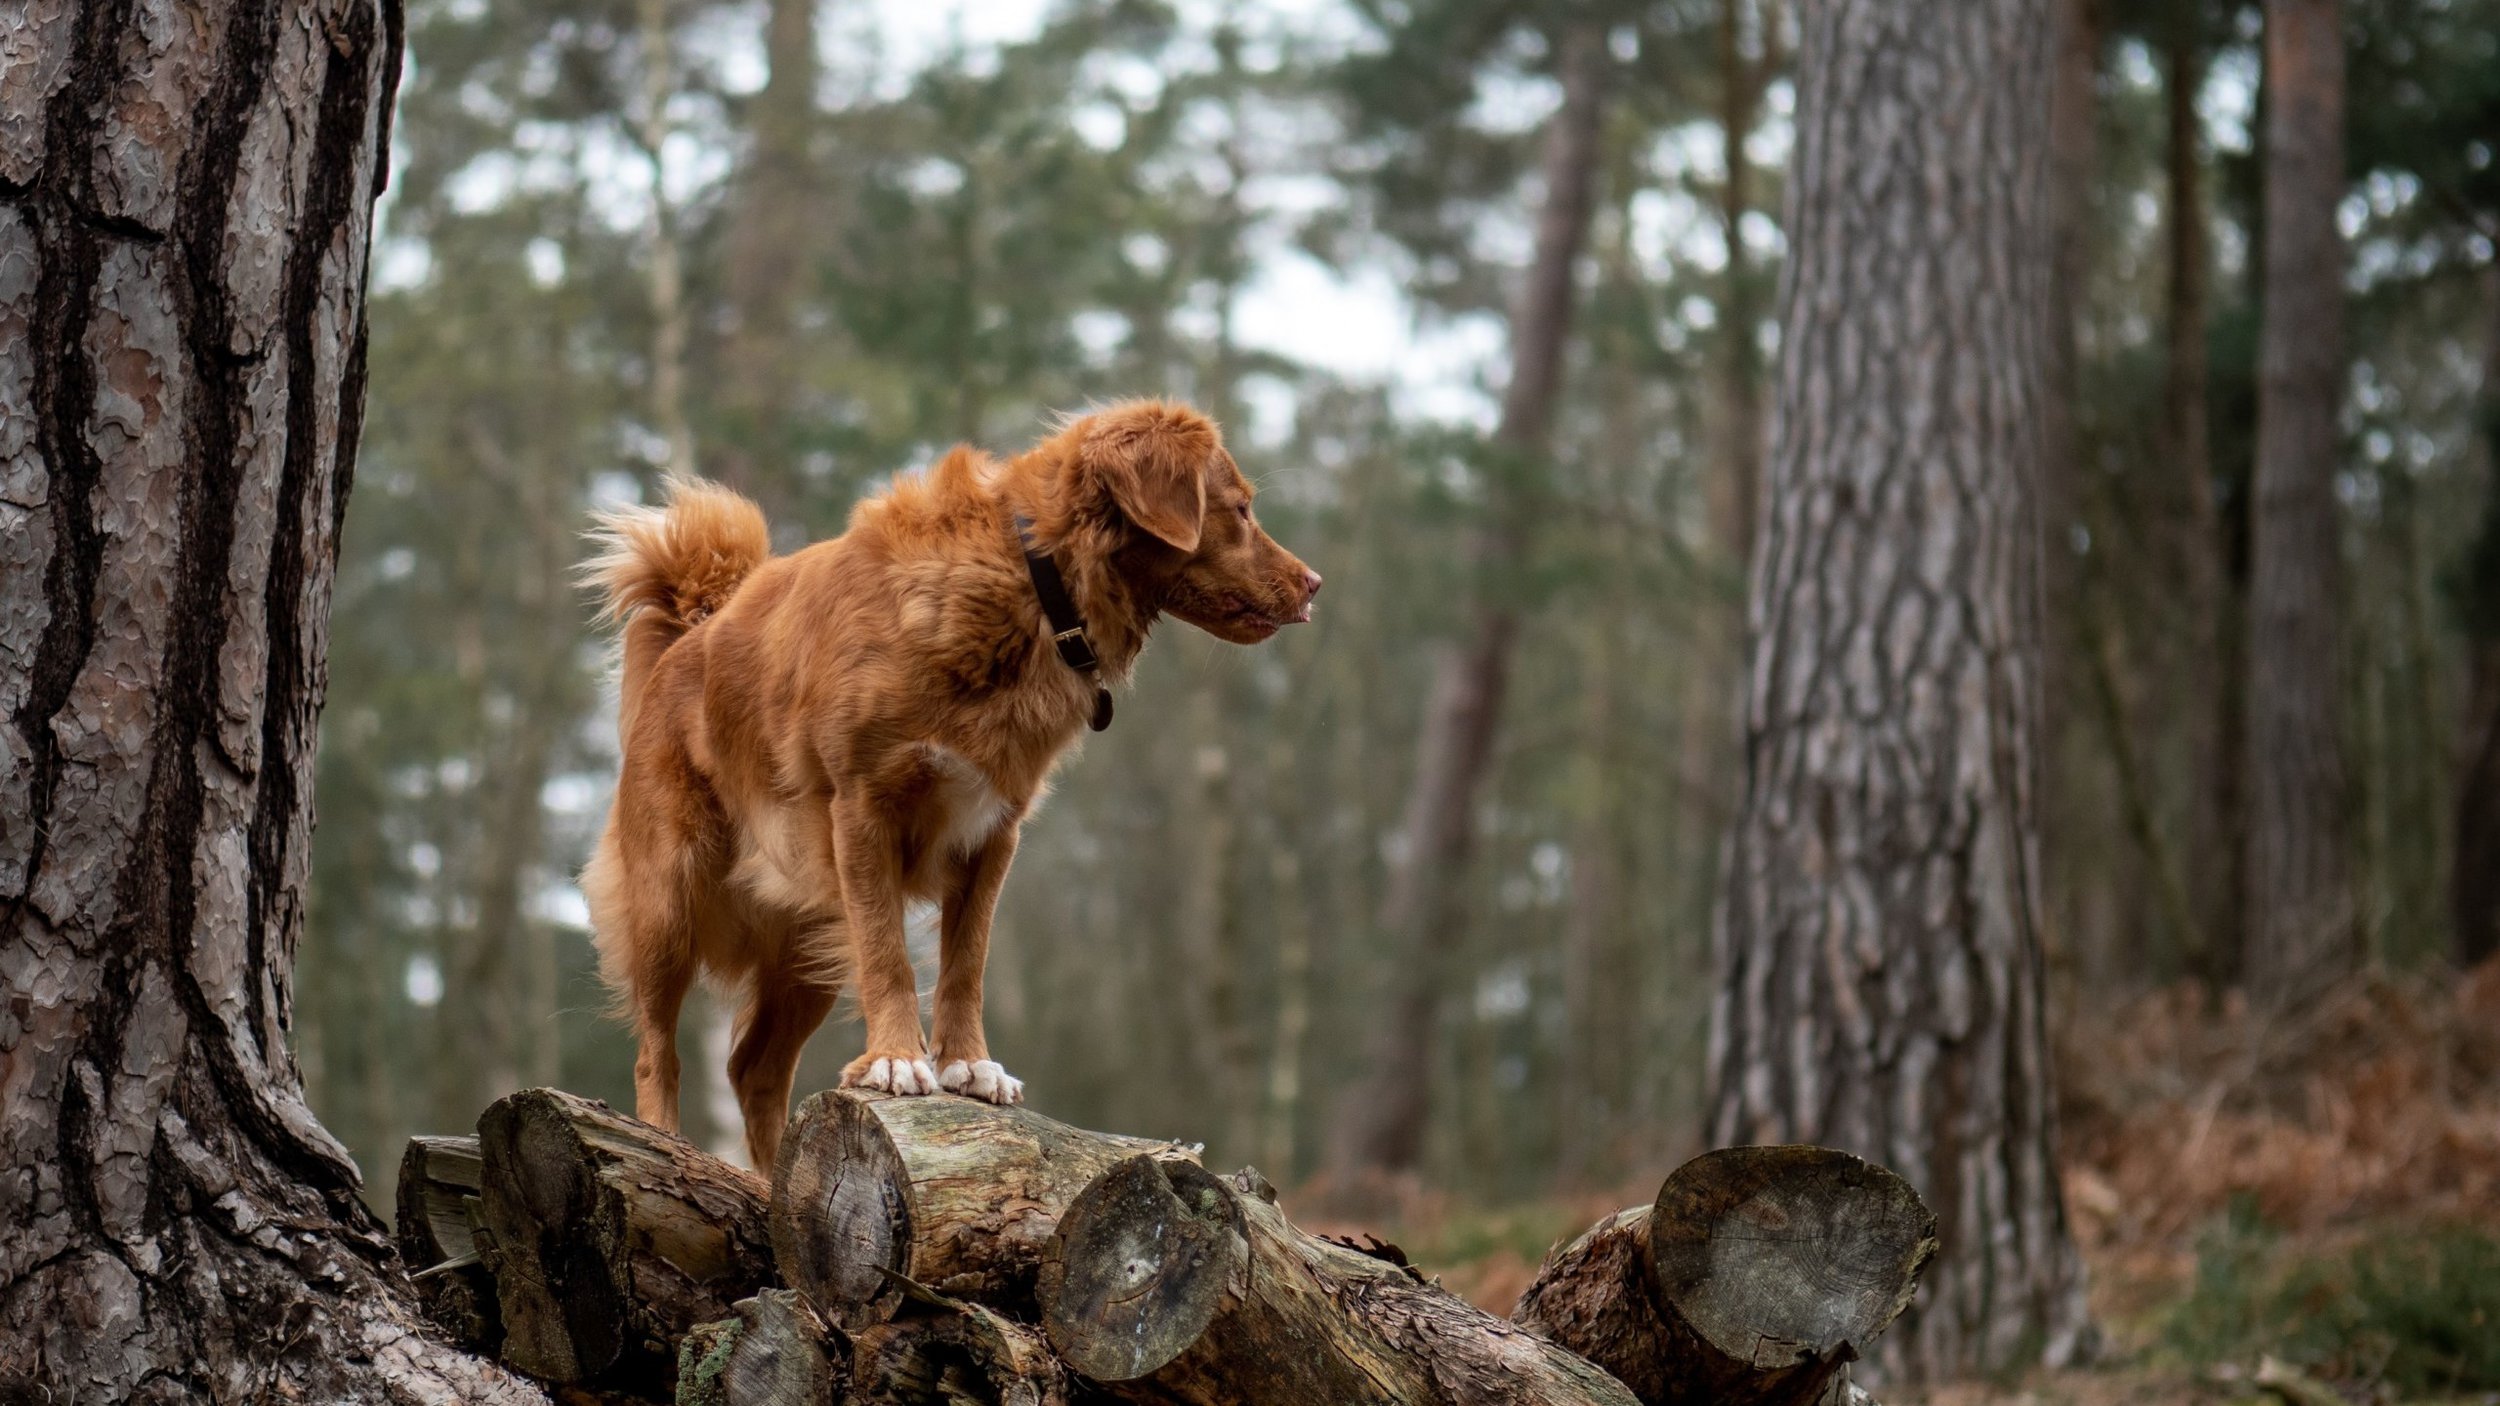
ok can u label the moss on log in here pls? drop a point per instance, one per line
(771, 1351)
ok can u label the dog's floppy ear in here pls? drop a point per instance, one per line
(1152, 460)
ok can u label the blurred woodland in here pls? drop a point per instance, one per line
(1420, 900)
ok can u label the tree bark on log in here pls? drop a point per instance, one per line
(1166, 1283)
(438, 1184)
(1758, 1275)
(771, 1351)
(186, 199)
(609, 1239)
(950, 1192)
(941, 1352)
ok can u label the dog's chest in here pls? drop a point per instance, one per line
(962, 809)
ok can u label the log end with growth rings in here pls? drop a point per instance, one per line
(842, 1216)
(1780, 1255)
(1144, 1261)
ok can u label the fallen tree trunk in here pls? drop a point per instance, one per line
(954, 1193)
(1755, 1279)
(438, 1179)
(772, 1351)
(1168, 1284)
(608, 1239)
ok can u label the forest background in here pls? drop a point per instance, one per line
(803, 245)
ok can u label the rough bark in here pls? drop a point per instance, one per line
(949, 1192)
(609, 1239)
(2300, 926)
(185, 211)
(438, 1182)
(1166, 1283)
(1756, 1277)
(940, 1352)
(1878, 926)
(772, 1351)
(1379, 1126)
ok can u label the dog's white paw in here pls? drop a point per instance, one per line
(981, 1079)
(894, 1076)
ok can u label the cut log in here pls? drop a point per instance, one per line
(1168, 1284)
(950, 1192)
(938, 1351)
(772, 1351)
(608, 1239)
(1755, 1279)
(438, 1179)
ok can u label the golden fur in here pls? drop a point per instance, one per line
(813, 741)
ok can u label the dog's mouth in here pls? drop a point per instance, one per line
(1239, 617)
(1264, 623)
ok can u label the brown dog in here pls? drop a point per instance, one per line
(811, 742)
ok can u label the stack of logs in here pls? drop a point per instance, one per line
(915, 1251)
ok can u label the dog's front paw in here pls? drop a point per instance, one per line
(981, 1079)
(893, 1074)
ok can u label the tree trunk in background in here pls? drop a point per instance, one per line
(1878, 926)
(1735, 492)
(2209, 606)
(2074, 157)
(1379, 1126)
(770, 235)
(184, 218)
(668, 260)
(1732, 494)
(2474, 875)
(2300, 919)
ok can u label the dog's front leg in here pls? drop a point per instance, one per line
(868, 856)
(963, 1050)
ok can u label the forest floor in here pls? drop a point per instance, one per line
(2320, 1195)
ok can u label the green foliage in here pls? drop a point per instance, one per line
(2417, 1309)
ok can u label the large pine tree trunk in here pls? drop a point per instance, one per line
(1878, 928)
(1380, 1126)
(2301, 930)
(185, 209)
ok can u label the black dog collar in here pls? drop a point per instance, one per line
(1067, 626)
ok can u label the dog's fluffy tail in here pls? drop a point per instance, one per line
(662, 570)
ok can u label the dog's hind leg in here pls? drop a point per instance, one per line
(646, 956)
(780, 1014)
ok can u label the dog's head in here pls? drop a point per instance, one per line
(1193, 536)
